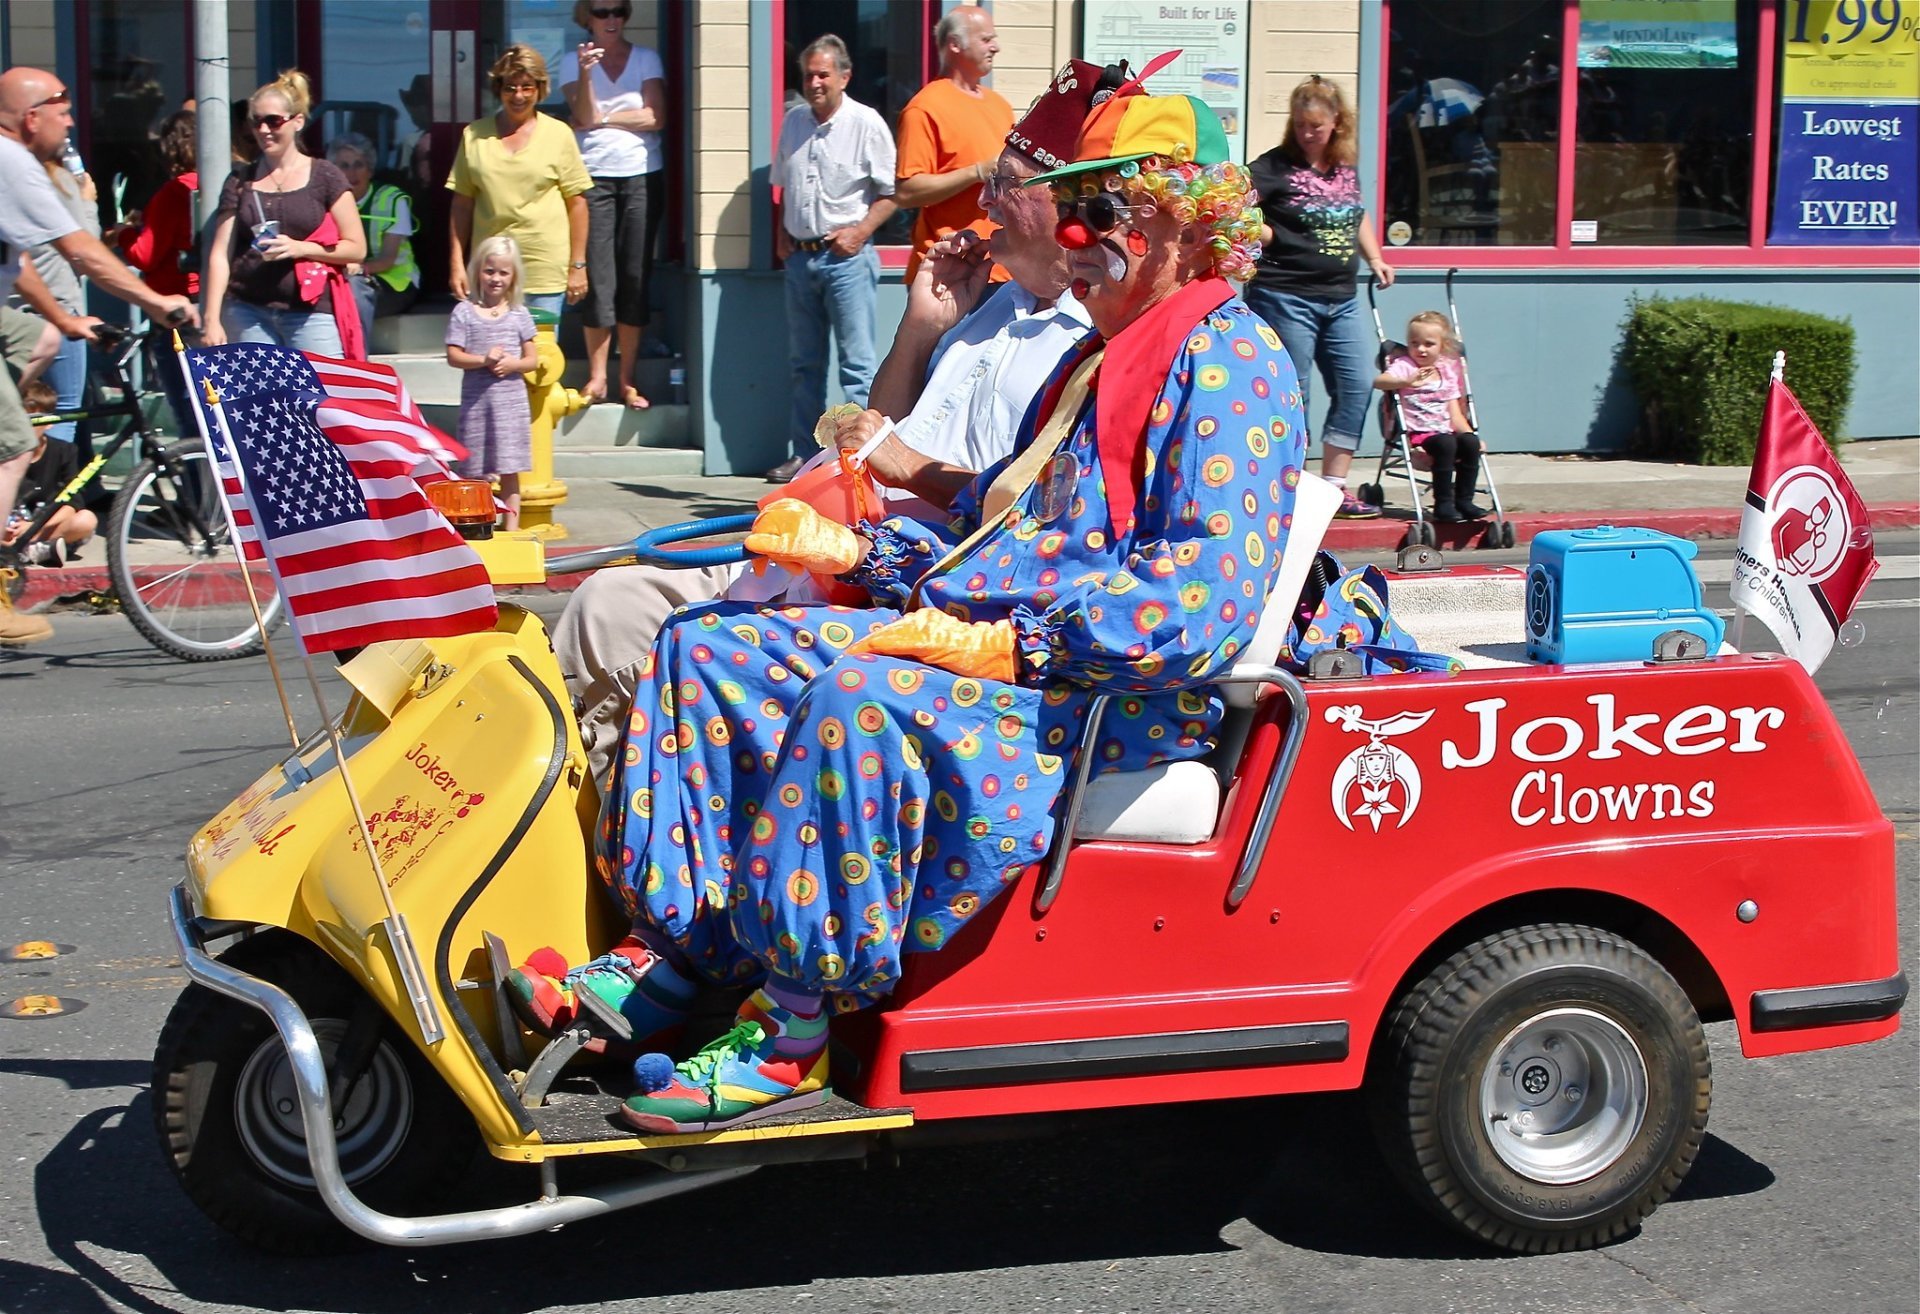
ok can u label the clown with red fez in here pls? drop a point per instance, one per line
(808, 793)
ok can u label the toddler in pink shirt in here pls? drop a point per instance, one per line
(1426, 376)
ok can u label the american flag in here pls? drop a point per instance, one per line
(335, 479)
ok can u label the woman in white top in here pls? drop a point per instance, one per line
(617, 92)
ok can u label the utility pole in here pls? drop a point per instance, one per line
(212, 99)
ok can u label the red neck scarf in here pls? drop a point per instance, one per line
(1131, 377)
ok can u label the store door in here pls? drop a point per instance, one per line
(410, 74)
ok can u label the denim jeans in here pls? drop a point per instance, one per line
(67, 376)
(376, 298)
(303, 330)
(1327, 333)
(551, 302)
(827, 291)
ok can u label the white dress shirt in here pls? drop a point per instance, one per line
(830, 173)
(986, 371)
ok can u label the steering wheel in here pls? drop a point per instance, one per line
(653, 547)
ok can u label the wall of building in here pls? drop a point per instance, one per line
(1544, 344)
(1288, 41)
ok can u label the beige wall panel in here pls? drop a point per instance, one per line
(721, 11)
(1306, 15)
(723, 43)
(722, 171)
(724, 214)
(1291, 39)
(31, 28)
(721, 130)
(725, 252)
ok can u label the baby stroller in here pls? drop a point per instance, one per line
(1400, 457)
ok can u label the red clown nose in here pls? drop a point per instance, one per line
(1074, 235)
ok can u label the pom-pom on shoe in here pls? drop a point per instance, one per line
(747, 1073)
(632, 981)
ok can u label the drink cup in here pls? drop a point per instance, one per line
(264, 232)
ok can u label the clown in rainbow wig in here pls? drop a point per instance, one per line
(809, 794)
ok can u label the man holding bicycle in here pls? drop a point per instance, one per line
(35, 118)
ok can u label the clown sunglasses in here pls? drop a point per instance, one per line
(1101, 212)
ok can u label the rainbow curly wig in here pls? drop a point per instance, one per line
(1219, 197)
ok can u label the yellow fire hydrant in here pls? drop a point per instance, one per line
(550, 403)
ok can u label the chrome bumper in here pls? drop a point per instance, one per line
(550, 1210)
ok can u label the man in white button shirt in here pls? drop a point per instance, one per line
(834, 167)
(962, 371)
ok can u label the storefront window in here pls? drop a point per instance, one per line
(1473, 122)
(1664, 122)
(887, 40)
(1705, 132)
(375, 55)
(137, 53)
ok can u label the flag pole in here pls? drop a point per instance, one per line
(412, 974)
(233, 537)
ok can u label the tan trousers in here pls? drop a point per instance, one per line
(607, 628)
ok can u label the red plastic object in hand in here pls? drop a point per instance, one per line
(840, 493)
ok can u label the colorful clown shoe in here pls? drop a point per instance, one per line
(773, 1061)
(631, 980)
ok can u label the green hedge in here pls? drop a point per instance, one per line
(1700, 367)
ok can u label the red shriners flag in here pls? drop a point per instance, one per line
(1806, 547)
(328, 489)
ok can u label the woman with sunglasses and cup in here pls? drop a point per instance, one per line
(519, 172)
(617, 94)
(1316, 226)
(254, 284)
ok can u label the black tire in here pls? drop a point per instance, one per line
(1372, 495)
(1574, 1013)
(404, 1138)
(1506, 533)
(184, 598)
(1423, 535)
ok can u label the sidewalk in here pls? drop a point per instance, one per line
(1538, 493)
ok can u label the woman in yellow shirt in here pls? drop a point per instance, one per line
(519, 172)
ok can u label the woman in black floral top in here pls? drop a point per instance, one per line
(1304, 283)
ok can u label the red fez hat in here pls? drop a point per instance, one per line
(1047, 132)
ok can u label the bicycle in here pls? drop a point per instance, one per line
(168, 540)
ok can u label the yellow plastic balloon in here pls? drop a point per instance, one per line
(983, 649)
(794, 534)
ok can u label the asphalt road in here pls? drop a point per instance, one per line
(1803, 1198)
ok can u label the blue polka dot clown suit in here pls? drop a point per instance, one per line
(787, 808)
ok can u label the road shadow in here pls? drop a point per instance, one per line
(696, 505)
(1116, 1188)
(1104, 1188)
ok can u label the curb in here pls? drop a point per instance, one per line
(1384, 534)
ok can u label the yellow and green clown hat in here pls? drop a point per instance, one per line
(1133, 125)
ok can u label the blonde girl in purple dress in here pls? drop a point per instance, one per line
(490, 337)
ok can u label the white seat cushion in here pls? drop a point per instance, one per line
(1179, 802)
(1173, 803)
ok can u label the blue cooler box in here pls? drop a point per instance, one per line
(1605, 594)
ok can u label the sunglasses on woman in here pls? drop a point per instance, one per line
(622, 12)
(273, 122)
(1101, 212)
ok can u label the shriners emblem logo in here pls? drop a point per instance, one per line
(1376, 781)
(1811, 528)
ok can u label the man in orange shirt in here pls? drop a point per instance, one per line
(951, 133)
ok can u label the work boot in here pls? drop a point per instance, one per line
(632, 980)
(773, 1061)
(16, 627)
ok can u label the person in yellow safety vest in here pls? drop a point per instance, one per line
(388, 281)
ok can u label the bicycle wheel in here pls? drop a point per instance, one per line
(169, 553)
